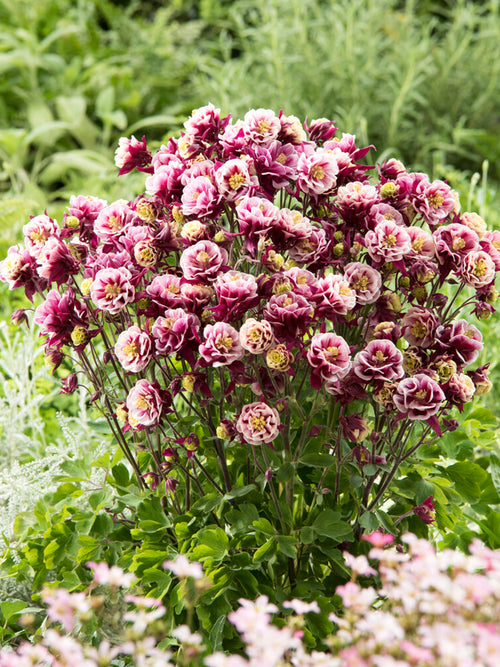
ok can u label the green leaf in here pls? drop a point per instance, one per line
(239, 491)
(212, 544)
(265, 552)
(286, 544)
(468, 477)
(285, 472)
(12, 608)
(495, 470)
(307, 535)
(369, 521)
(329, 524)
(317, 460)
(215, 635)
(264, 526)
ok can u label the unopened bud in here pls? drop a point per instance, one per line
(188, 382)
(338, 250)
(220, 237)
(79, 336)
(389, 190)
(72, 221)
(146, 210)
(85, 286)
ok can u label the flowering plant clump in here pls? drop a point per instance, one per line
(271, 324)
(427, 608)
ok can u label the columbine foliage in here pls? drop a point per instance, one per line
(276, 333)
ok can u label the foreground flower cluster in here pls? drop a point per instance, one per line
(265, 268)
(432, 608)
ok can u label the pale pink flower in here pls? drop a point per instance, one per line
(435, 201)
(317, 173)
(460, 388)
(203, 261)
(199, 197)
(134, 349)
(292, 225)
(182, 567)
(422, 242)
(256, 337)
(112, 220)
(359, 564)
(111, 289)
(112, 576)
(356, 198)
(365, 281)
(381, 212)
(490, 243)
(301, 607)
(388, 242)
(355, 598)
(144, 404)
(221, 346)
(475, 222)
(258, 423)
(304, 281)
(419, 397)
(37, 231)
(62, 606)
(478, 269)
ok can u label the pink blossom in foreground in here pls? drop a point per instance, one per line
(256, 337)
(134, 349)
(112, 220)
(379, 360)
(112, 576)
(199, 197)
(203, 261)
(258, 423)
(388, 242)
(261, 126)
(364, 280)
(329, 357)
(111, 290)
(182, 567)
(174, 330)
(37, 231)
(317, 173)
(144, 404)
(221, 346)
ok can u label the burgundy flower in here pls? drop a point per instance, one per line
(58, 315)
(165, 291)
(175, 330)
(329, 357)
(426, 510)
(379, 361)
(256, 216)
(111, 290)
(461, 340)
(317, 173)
(145, 404)
(258, 423)
(453, 243)
(165, 183)
(355, 199)
(19, 269)
(310, 250)
(203, 261)
(419, 325)
(288, 313)
(134, 349)
(221, 346)
(418, 397)
(55, 261)
(237, 292)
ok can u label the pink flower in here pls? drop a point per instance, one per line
(329, 357)
(434, 201)
(55, 261)
(333, 296)
(460, 388)
(58, 315)
(166, 179)
(365, 281)
(388, 242)
(203, 261)
(356, 198)
(112, 576)
(453, 242)
(112, 220)
(419, 325)
(131, 153)
(199, 197)
(478, 269)
(261, 126)
(418, 397)
(422, 242)
(133, 348)
(490, 243)
(174, 331)
(165, 291)
(236, 292)
(378, 539)
(111, 290)
(425, 510)
(317, 173)
(380, 360)
(183, 568)
(37, 231)
(255, 217)
(258, 423)
(234, 180)
(144, 403)
(221, 346)
(256, 337)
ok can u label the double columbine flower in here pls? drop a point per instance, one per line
(264, 260)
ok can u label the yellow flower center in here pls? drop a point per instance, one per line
(111, 290)
(39, 237)
(479, 268)
(418, 244)
(281, 158)
(419, 330)
(114, 222)
(458, 244)
(131, 350)
(224, 342)
(361, 284)
(263, 127)
(436, 200)
(390, 241)
(380, 357)
(236, 180)
(258, 423)
(317, 172)
(203, 257)
(331, 353)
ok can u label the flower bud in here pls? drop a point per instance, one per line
(274, 261)
(145, 253)
(419, 293)
(404, 282)
(85, 286)
(72, 221)
(121, 413)
(146, 210)
(220, 237)
(338, 236)
(226, 430)
(412, 361)
(389, 190)
(338, 250)
(188, 382)
(491, 295)
(79, 336)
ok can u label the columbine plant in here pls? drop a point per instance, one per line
(270, 319)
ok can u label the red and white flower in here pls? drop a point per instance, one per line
(112, 290)
(258, 423)
(134, 349)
